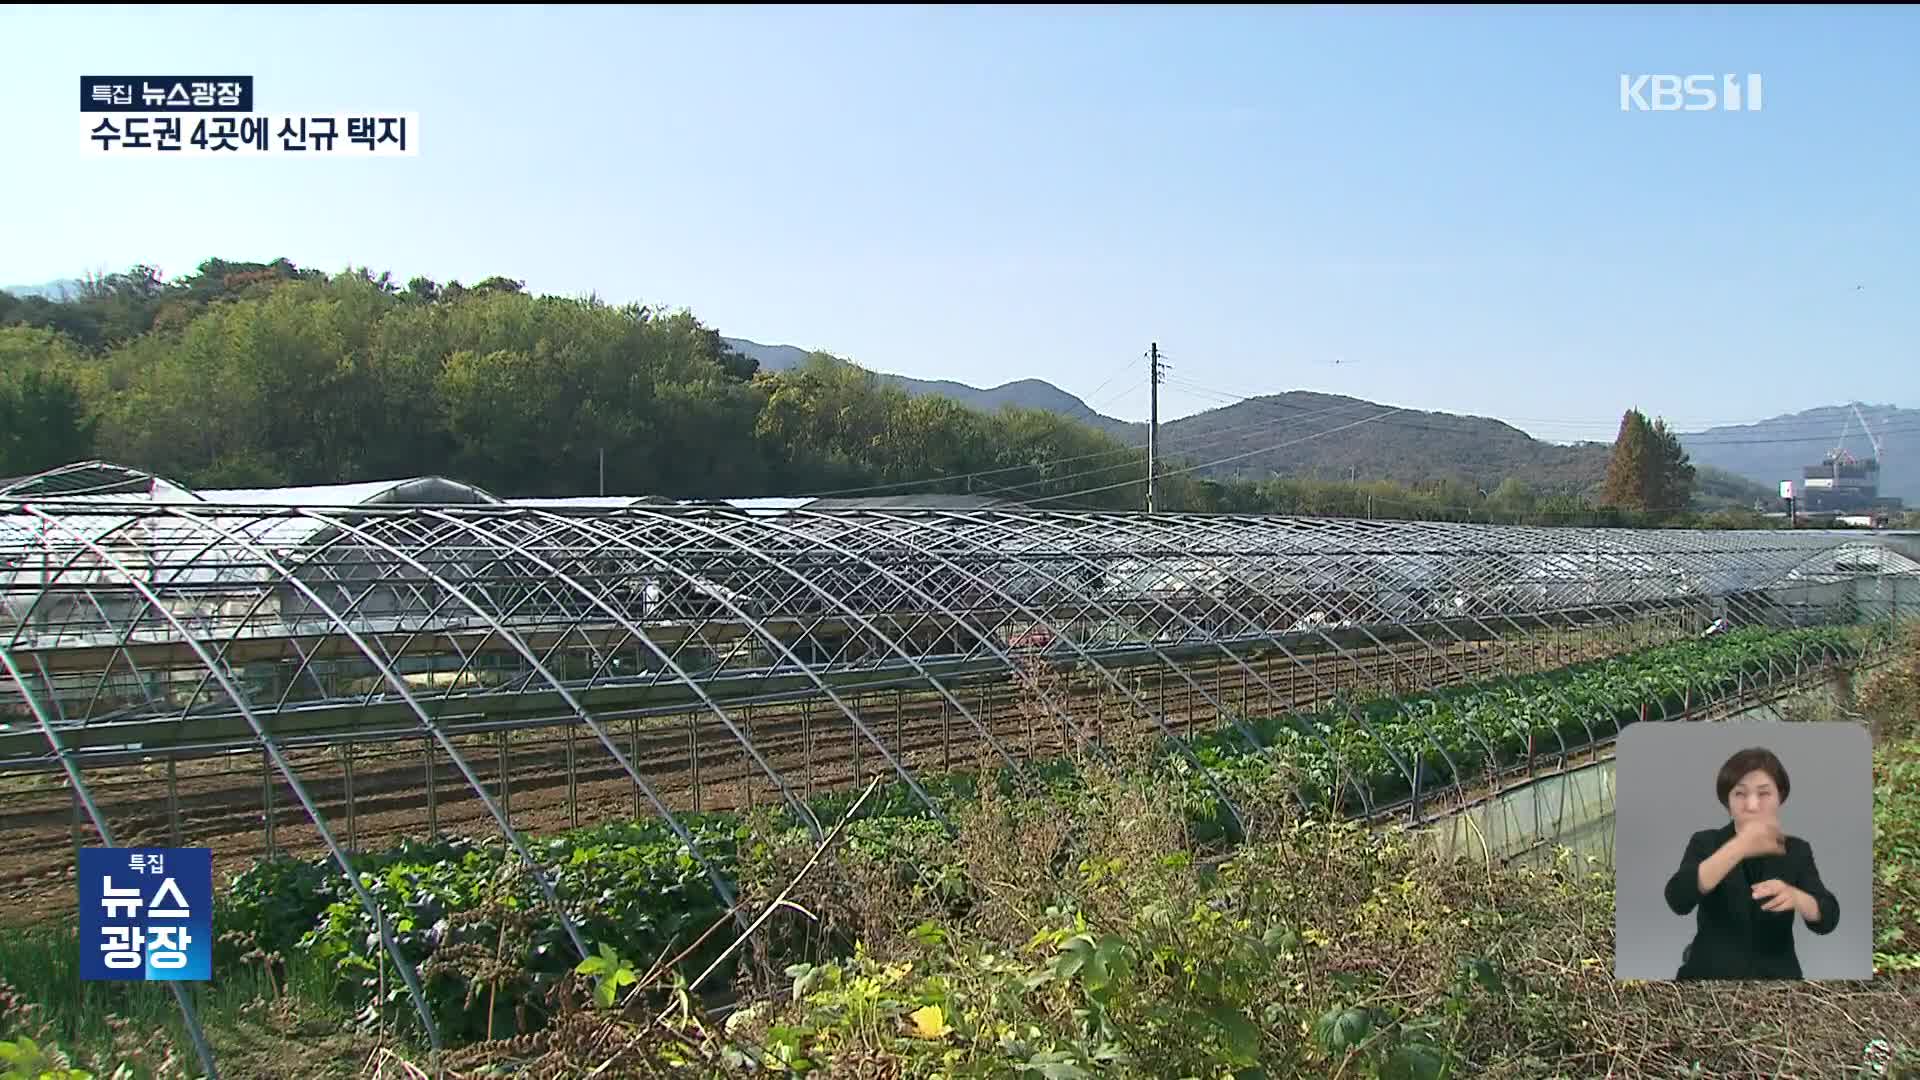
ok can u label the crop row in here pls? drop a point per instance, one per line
(1381, 746)
(456, 903)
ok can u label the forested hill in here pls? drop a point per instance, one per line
(1324, 437)
(1261, 437)
(249, 374)
(259, 374)
(1782, 447)
(1021, 394)
(1366, 439)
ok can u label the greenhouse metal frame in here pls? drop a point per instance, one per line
(144, 624)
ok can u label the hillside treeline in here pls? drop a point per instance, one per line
(262, 374)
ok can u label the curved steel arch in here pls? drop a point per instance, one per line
(635, 633)
(1013, 669)
(83, 478)
(506, 827)
(1277, 640)
(673, 822)
(1309, 546)
(867, 624)
(155, 578)
(188, 1015)
(272, 749)
(1090, 600)
(1159, 721)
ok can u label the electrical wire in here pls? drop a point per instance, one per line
(1245, 431)
(1211, 439)
(1209, 443)
(1219, 461)
(1884, 430)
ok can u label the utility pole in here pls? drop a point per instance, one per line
(1153, 424)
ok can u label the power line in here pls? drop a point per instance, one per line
(1491, 511)
(1224, 437)
(1221, 461)
(1488, 509)
(1776, 422)
(1407, 425)
(1693, 422)
(1915, 429)
(945, 477)
(1607, 426)
(1267, 403)
(1212, 441)
(1244, 431)
(1730, 438)
(1126, 365)
(1416, 426)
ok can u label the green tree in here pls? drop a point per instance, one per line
(44, 419)
(251, 373)
(1632, 472)
(283, 382)
(1674, 474)
(1066, 463)
(534, 389)
(822, 421)
(1513, 498)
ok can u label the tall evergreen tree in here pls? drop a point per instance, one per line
(1673, 472)
(1649, 471)
(1630, 471)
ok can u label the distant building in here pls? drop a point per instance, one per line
(1843, 484)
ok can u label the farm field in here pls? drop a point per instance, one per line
(692, 761)
(653, 900)
(1506, 973)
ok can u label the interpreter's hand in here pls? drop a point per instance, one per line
(1776, 896)
(1762, 837)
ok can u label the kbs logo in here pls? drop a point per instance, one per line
(1689, 93)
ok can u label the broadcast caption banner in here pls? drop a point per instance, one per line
(338, 135)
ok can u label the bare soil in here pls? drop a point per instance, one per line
(691, 762)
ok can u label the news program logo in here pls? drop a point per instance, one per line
(146, 914)
(166, 93)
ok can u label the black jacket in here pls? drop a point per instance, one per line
(1736, 939)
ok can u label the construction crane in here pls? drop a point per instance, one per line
(1866, 471)
(1838, 455)
(1879, 451)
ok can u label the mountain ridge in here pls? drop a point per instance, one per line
(1780, 447)
(1022, 393)
(59, 291)
(1304, 434)
(1342, 438)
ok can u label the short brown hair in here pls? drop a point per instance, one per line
(1746, 761)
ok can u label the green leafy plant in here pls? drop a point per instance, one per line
(23, 1059)
(637, 890)
(609, 973)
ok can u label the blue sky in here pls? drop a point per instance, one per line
(1453, 203)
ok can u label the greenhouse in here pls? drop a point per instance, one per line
(319, 671)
